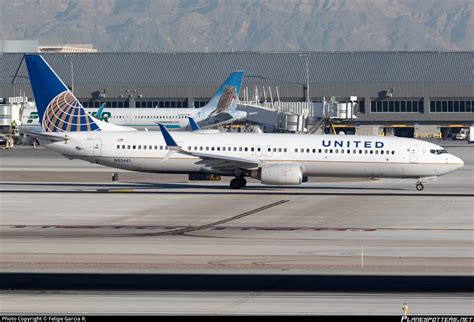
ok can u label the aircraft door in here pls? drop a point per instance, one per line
(97, 148)
(128, 118)
(413, 154)
(259, 151)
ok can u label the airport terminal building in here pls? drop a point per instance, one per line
(419, 94)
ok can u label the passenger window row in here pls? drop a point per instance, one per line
(161, 117)
(235, 149)
(141, 147)
(343, 151)
(201, 148)
(147, 117)
(258, 149)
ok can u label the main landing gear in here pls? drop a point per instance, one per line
(238, 183)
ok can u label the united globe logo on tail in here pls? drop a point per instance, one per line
(65, 114)
(58, 109)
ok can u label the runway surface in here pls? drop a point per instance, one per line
(228, 303)
(59, 215)
(337, 225)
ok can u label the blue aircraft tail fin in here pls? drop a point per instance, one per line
(58, 108)
(233, 81)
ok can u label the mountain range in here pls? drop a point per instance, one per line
(242, 25)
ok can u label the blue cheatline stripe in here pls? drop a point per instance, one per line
(168, 126)
(172, 126)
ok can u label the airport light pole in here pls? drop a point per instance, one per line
(306, 56)
(71, 64)
(72, 73)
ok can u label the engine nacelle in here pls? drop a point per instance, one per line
(279, 174)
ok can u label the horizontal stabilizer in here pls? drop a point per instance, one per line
(44, 135)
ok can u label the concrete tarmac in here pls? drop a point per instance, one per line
(337, 225)
(229, 303)
(59, 215)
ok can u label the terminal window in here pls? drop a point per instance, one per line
(108, 104)
(161, 104)
(452, 106)
(201, 103)
(396, 106)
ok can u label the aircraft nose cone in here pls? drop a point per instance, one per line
(456, 161)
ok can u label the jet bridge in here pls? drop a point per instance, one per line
(335, 112)
(297, 117)
(282, 116)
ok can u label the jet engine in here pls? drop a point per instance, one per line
(282, 174)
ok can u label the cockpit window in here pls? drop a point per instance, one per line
(438, 151)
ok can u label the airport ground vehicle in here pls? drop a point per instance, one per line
(6, 141)
(275, 159)
(463, 134)
(470, 138)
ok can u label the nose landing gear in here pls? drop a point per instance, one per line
(420, 186)
(238, 183)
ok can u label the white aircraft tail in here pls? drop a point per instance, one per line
(58, 108)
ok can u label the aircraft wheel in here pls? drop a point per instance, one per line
(419, 186)
(235, 183)
(243, 182)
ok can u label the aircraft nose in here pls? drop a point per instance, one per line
(458, 162)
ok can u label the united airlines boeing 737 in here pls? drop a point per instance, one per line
(276, 159)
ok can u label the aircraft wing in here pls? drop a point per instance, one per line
(224, 162)
(44, 135)
(209, 160)
(221, 119)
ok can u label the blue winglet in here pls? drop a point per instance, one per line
(170, 142)
(100, 111)
(193, 124)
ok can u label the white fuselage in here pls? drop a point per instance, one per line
(318, 155)
(138, 118)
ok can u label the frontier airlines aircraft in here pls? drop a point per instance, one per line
(275, 159)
